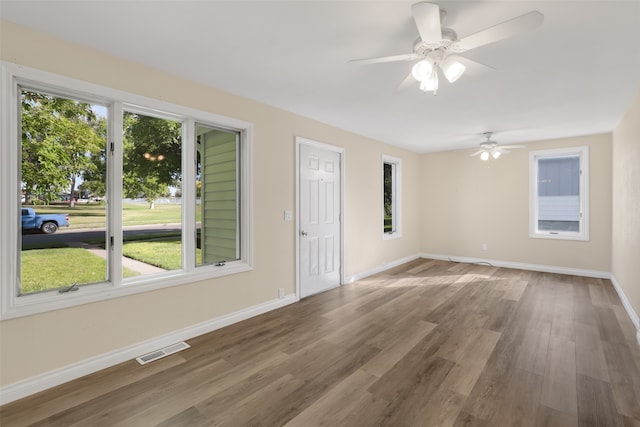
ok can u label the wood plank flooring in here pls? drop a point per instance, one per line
(429, 343)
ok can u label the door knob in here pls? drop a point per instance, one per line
(303, 233)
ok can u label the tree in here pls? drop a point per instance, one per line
(59, 138)
(152, 156)
(95, 178)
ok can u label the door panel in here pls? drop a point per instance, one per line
(320, 204)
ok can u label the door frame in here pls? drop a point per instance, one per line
(321, 145)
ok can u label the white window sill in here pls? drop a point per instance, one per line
(30, 304)
(391, 236)
(559, 236)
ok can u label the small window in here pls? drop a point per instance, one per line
(391, 197)
(559, 193)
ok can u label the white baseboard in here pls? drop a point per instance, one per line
(523, 266)
(627, 306)
(62, 375)
(379, 269)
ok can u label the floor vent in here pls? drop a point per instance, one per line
(163, 352)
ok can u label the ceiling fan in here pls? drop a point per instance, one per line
(491, 148)
(438, 46)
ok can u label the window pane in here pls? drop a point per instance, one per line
(559, 194)
(63, 188)
(217, 187)
(388, 199)
(152, 206)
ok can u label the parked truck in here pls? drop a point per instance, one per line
(45, 223)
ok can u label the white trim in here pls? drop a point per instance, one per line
(380, 268)
(397, 196)
(522, 266)
(321, 145)
(12, 306)
(583, 153)
(627, 306)
(62, 375)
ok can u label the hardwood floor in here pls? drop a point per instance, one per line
(429, 343)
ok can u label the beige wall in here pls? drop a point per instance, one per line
(75, 334)
(467, 202)
(452, 203)
(625, 248)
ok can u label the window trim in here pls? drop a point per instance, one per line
(583, 154)
(396, 197)
(11, 305)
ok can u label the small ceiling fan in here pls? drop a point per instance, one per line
(491, 148)
(438, 46)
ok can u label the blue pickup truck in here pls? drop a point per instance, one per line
(45, 223)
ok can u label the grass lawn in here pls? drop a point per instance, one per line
(93, 216)
(44, 269)
(50, 267)
(164, 253)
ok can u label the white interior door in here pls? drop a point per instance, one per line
(320, 205)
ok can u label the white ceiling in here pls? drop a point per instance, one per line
(575, 75)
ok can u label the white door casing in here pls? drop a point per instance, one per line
(319, 217)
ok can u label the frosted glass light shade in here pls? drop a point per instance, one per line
(452, 69)
(430, 84)
(484, 155)
(422, 70)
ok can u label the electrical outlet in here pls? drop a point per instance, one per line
(280, 293)
(484, 246)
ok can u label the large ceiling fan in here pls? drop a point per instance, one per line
(438, 46)
(490, 148)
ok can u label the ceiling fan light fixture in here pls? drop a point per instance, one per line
(484, 156)
(452, 68)
(495, 154)
(422, 70)
(430, 84)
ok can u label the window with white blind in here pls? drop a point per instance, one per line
(559, 193)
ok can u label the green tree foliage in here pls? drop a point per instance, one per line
(152, 156)
(388, 189)
(59, 139)
(95, 178)
(64, 142)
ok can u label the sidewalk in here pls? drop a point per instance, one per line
(131, 264)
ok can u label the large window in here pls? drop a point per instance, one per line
(391, 197)
(559, 194)
(107, 194)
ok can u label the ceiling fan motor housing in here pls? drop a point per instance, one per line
(446, 45)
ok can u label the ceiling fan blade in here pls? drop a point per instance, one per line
(427, 17)
(476, 153)
(510, 147)
(405, 57)
(506, 29)
(474, 68)
(408, 81)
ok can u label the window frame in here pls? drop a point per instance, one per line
(582, 152)
(13, 305)
(396, 198)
